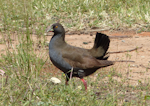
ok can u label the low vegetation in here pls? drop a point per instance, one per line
(26, 79)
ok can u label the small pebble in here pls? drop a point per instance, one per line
(123, 40)
(45, 34)
(85, 43)
(126, 100)
(79, 87)
(47, 42)
(136, 36)
(55, 80)
(91, 34)
(142, 56)
(133, 65)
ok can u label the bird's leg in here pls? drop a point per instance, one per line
(84, 82)
(81, 75)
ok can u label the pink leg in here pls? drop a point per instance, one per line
(85, 84)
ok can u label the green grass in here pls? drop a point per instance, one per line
(77, 14)
(25, 82)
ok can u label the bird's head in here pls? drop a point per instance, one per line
(57, 28)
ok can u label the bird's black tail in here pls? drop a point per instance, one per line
(102, 40)
(101, 45)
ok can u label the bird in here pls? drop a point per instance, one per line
(76, 61)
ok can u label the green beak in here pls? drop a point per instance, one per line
(49, 29)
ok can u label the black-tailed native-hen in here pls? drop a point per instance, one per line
(75, 61)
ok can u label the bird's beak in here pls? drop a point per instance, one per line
(49, 29)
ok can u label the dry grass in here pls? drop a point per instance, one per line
(25, 60)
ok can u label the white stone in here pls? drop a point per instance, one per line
(79, 87)
(123, 40)
(142, 56)
(55, 80)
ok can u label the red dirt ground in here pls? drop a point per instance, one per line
(120, 41)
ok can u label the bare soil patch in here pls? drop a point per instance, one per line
(133, 73)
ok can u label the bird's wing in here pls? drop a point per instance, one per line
(80, 58)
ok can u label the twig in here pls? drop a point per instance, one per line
(131, 78)
(32, 90)
(96, 30)
(125, 50)
(124, 61)
(71, 73)
(116, 37)
(144, 66)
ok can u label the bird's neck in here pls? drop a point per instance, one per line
(58, 41)
(60, 35)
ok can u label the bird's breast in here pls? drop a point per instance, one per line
(57, 59)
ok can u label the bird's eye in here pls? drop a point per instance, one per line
(56, 26)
